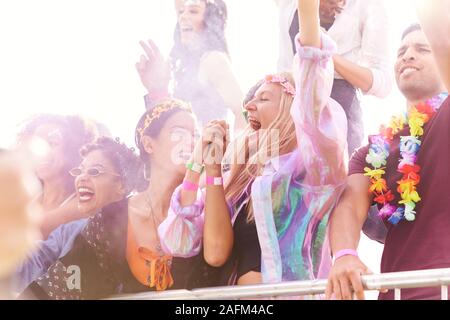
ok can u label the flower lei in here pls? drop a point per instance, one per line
(409, 148)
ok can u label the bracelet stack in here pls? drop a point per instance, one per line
(195, 167)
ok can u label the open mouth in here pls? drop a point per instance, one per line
(254, 124)
(85, 194)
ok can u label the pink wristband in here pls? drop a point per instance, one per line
(214, 181)
(189, 186)
(345, 252)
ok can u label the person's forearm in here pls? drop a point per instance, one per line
(309, 22)
(350, 214)
(188, 197)
(218, 70)
(359, 77)
(435, 20)
(218, 231)
(345, 230)
(57, 217)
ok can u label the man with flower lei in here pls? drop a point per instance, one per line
(404, 170)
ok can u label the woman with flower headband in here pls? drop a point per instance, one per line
(165, 138)
(268, 219)
(119, 251)
(199, 63)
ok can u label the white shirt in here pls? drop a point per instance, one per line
(361, 33)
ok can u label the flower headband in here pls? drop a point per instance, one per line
(161, 108)
(287, 86)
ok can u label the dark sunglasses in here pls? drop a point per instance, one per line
(93, 172)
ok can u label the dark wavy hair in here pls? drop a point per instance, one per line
(124, 159)
(76, 132)
(213, 38)
(153, 131)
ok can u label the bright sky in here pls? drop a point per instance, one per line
(72, 57)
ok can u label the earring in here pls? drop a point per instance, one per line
(146, 173)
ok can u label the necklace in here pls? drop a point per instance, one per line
(409, 148)
(152, 215)
(159, 263)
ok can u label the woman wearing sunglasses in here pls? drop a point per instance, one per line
(98, 183)
(267, 220)
(119, 250)
(107, 174)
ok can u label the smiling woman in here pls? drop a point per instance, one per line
(107, 174)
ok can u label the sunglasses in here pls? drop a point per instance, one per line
(93, 172)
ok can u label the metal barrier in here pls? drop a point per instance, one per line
(396, 281)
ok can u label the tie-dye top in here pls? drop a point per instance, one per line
(295, 195)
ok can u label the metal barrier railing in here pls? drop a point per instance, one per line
(386, 281)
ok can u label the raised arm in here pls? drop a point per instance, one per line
(308, 14)
(154, 73)
(373, 72)
(181, 233)
(198, 218)
(218, 234)
(217, 69)
(435, 20)
(59, 216)
(320, 122)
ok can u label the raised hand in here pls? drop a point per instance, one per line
(153, 70)
(214, 141)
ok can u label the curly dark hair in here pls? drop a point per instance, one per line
(213, 39)
(124, 159)
(76, 132)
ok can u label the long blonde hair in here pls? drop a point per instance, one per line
(242, 175)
